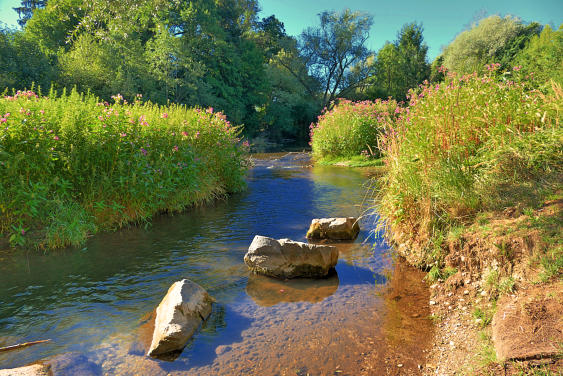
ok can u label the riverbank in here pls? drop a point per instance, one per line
(473, 196)
(71, 166)
(500, 312)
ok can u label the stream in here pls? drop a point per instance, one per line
(95, 303)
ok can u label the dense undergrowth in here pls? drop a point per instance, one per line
(350, 129)
(71, 166)
(468, 145)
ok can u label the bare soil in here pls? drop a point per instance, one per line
(498, 273)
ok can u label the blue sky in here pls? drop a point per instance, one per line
(442, 19)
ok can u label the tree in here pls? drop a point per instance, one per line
(412, 50)
(485, 42)
(333, 49)
(544, 55)
(401, 65)
(25, 10)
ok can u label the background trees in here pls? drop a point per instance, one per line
(333, 49)
(400, 65)
(217, 53)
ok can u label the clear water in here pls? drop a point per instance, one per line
(97, 301)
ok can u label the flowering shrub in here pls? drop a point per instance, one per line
(351, 128)
(469, 144)
(71, 165)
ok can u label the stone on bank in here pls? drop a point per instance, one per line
(178, 316)
(286, 258)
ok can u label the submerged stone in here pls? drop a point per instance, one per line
(32, 370)
(334, 228)
(178, 316)
(286, 258)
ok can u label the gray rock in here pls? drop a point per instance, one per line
(286, 258)
(178, 316)
(334, 228)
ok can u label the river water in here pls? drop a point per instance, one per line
(96, 303)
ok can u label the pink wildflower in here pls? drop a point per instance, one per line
(164, 115)
(56, 138)
(209, 110)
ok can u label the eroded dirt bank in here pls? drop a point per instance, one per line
(498, 307)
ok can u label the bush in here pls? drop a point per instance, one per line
(350, 128)
(470, 144)
(71, 165)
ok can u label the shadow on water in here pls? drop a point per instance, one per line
(267, 291)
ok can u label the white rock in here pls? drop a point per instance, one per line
(178, 316)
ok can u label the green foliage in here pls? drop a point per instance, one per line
(435, 273)
(470, 144)
(333, 49)
(71, 165)
(543, 55)
(488, 41)
(25, 10)
(486, 316)
(401, 65)
(352, 161)
(351, 128)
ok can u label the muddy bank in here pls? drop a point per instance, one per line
(499, 311)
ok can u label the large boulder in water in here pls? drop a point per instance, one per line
(334, 228)
(178, 316)
(286, 258)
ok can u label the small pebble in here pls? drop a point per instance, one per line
(466, 292)
(399, 365)
(432, 302)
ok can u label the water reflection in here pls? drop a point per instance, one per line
(267, 291)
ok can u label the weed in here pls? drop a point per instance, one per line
(467, 146)
(351, 129)
(70, 166)
(484, 316)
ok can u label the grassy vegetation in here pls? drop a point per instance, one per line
(353, 161)
(466, 146)
(350, 130)
(71, 166)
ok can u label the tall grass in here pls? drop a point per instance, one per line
(469, 144)
(350, 129)
(70, 165)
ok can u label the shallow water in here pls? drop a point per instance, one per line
(97, 301)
